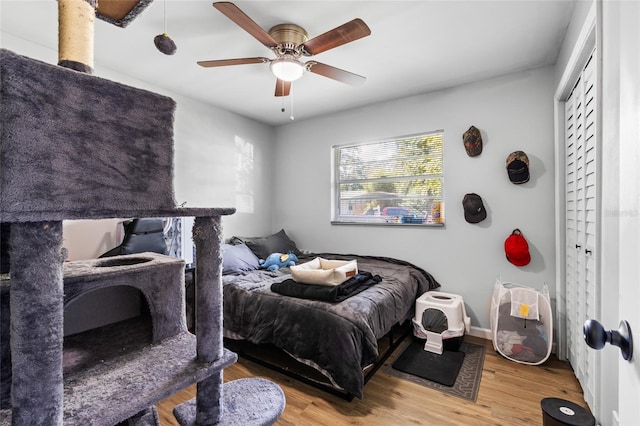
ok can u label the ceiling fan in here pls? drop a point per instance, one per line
(290, 42)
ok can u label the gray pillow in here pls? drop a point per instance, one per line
(262, 247)
(238, 258)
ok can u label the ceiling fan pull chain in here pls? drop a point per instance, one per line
(282, 97)
(291, 96)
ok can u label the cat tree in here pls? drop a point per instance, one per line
(74, 146)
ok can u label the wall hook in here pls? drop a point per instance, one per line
(596, 337)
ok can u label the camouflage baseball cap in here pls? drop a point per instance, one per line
(518, 167)
(472, 141)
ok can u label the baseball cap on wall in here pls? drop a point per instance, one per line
(474, 210)
(516, 249)
(518, 167)
(472, 140)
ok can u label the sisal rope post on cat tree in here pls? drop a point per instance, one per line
(76, 20)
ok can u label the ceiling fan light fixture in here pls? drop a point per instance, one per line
(287, 68)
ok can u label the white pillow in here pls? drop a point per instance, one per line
(324, 272)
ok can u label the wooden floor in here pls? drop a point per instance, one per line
(510, 393)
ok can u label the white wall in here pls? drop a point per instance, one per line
(208, 141)
(512, 112)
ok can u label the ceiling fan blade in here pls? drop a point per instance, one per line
(225, 62)
(335, 73)
(283, 87)
(232, 12)
(345, 33)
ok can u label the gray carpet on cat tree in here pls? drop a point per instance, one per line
(75, 143)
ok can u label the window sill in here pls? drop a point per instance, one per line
(420, 225)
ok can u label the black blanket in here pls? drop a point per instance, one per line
(333, 294)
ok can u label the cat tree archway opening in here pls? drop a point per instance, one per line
(159, 278)
(105, 306)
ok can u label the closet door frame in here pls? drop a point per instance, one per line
(582, 285)
(586, 43)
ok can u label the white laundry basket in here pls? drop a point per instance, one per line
(521, 323)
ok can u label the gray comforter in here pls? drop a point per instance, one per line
(338, 339)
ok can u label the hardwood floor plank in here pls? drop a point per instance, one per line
(510, 393)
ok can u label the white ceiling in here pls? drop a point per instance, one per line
(414, 47)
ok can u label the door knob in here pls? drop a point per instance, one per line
(596, 337)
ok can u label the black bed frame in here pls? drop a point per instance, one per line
(276, 359)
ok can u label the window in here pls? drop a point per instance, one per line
(397, 181)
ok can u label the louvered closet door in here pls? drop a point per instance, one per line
(581, 224)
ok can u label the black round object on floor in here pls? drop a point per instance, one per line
(556, 411)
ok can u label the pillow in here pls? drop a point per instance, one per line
(264, 246)
(238, 258)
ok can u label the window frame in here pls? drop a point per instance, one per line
(337, 219)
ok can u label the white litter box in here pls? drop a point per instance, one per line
(521, 323)
(440, 318)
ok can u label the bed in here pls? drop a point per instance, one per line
(338, 339)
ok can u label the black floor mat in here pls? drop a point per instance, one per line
(441, 369)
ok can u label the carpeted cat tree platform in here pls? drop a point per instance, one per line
(74, 146)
